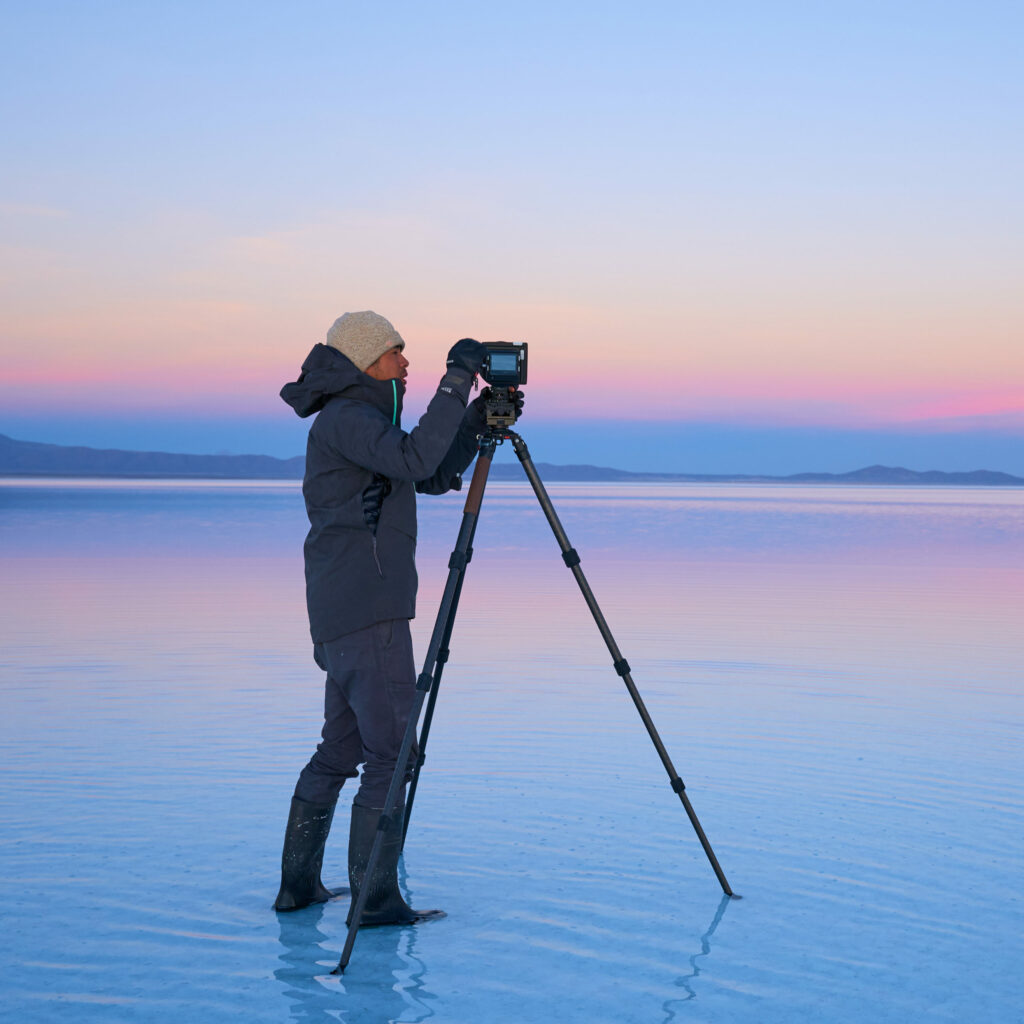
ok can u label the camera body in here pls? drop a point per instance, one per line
(504, 369)
(505, 363)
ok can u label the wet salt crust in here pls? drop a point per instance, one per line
(835, 673)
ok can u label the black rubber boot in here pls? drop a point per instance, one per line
(303, 856)
(384, 904)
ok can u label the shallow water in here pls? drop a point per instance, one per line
(834, 671)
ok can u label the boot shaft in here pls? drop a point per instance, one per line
(384, 902)
(303, 854)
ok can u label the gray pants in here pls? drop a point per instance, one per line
(371, 686)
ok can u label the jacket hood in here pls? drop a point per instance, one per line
(326, 374)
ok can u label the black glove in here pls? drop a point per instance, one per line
(467, 355)
(518, 397)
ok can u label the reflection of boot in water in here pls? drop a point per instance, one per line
(307, 993)
(384, 902)
(303, 856)
(302, 947)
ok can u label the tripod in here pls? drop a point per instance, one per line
(429, 679)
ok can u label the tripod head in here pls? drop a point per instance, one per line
(501, 407)
(504, 369)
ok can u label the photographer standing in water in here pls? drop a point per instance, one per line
(362, 474)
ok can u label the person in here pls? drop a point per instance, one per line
(363, 472)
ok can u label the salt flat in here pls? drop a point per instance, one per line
(834, 670)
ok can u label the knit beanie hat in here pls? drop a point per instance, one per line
(363, 337)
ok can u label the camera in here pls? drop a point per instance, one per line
(504, 368)
(505, 363)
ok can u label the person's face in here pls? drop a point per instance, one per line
(389, 366)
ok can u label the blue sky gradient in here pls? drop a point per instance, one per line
(799, 223)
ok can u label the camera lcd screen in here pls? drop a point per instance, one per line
(504, 362)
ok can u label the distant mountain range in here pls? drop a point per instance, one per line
(29, 458)
(32, 459)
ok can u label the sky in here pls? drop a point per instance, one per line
(739, 237)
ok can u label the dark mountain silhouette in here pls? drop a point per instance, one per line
(29, 458)
(32, 459)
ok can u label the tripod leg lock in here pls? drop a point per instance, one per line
(458, 560)
(622, 667)
(571, 558)
(423, 681)
(678, 785)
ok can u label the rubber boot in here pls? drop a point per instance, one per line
(384, 904)
(303, 856)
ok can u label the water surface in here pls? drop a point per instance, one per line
(835, 672)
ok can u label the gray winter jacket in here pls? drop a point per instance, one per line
(362, 472)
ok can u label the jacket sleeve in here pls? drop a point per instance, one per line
(368, 439)
(460, 454)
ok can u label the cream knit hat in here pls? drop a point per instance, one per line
(363, 337)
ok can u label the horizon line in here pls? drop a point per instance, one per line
(808, 476)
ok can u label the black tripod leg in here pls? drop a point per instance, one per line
(572, 560)
(456, 568)
(428, 715)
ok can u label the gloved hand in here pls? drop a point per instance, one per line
(467, 355)
(519, 398)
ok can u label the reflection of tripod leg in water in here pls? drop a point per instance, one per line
(705, 950)
(437, 654)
